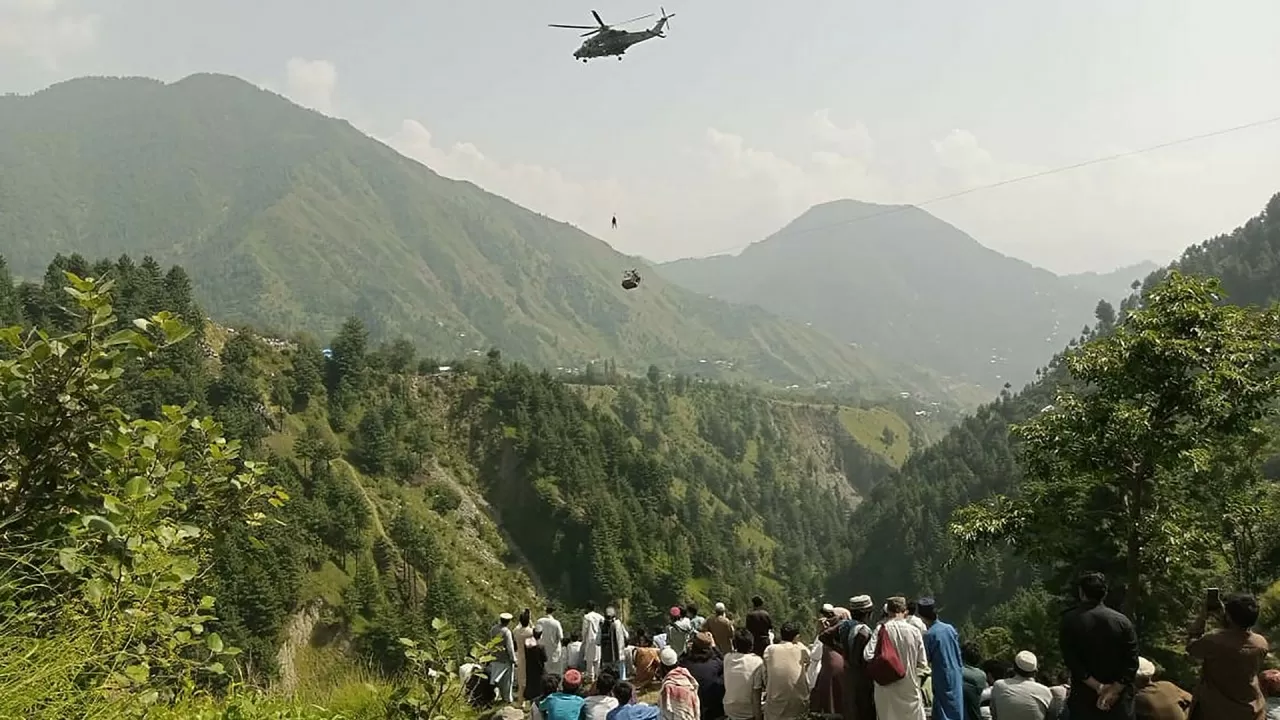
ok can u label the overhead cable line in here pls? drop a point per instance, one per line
(1010, 181)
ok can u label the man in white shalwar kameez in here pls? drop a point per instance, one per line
(552, 634)
(591, 643)
(901, 700)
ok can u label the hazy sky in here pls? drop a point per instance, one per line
(750, 111)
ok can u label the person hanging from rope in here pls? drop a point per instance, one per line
(615, 222)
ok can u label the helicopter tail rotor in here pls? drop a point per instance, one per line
(663, 23)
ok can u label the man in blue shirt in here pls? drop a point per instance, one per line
(628, 708)
(942, 646)
(566, 704)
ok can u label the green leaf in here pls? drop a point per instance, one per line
(136, 487)
(70, 560)
(112, 504)
(213, 641)
(138, 674)
(100, 524)
(185, 568)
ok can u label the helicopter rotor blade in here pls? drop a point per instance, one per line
(642, 17)
(597, 17)
(573, 27)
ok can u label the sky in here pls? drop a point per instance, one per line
(749, 112)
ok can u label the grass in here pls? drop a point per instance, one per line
(868, 427)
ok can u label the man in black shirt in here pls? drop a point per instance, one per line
(1100, 648)
(759, 623)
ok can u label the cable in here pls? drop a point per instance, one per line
(1010, 181)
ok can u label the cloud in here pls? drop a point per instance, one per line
(546, 190)
(731, 191)
(311, 83)
(46, 31)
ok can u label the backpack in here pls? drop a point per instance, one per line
(886, 666)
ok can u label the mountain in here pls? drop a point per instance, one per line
(1114, 285)
(902, 283)
(287, 219)
(901, 538)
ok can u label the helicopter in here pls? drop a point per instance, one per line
(607, 40)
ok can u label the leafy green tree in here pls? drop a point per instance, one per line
(121, 512)
(1128, 464)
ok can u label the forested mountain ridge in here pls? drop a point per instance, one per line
(289, 220)
(418, 490)
(1115, 285)
(900, 534)
(906, 285)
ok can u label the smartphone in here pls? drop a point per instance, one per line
(1212, 598)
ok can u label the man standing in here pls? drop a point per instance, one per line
(552, 634)
(942, 646)
(591, 622)
(721, 628)
(1231, 657)
(1100, 648)
(975, 681)
(786, 684)
(760, 625)
(695, 620)
(1021, 697)
(679, 631)
(901, 699)
(502, 670)
(612, 643)
(743, 679)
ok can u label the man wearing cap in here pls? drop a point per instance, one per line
(678, 698)
(502, 670)
(679, 631)
(612, 644)
(850, 637)
(565, 704)
(942, 646)
(721, 628)
(901, 699)
(1021, 697)
(1157, 699)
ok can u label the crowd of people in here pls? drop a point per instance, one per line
(899, 661)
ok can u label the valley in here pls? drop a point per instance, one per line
(344, 411)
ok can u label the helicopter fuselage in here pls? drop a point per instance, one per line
(611, 42)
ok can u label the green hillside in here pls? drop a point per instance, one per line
(290, 220)
(903, 284)
(416, 492)
(900, 532)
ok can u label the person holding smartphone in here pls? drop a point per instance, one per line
(1231, 659)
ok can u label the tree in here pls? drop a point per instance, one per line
(1129, 461)
(349, 348)
(117, 514)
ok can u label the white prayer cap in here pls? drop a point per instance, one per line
(720, 607)
(828, 608)
(1146, 668)
(1026, 661)
(506, 617)
(668, 657)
